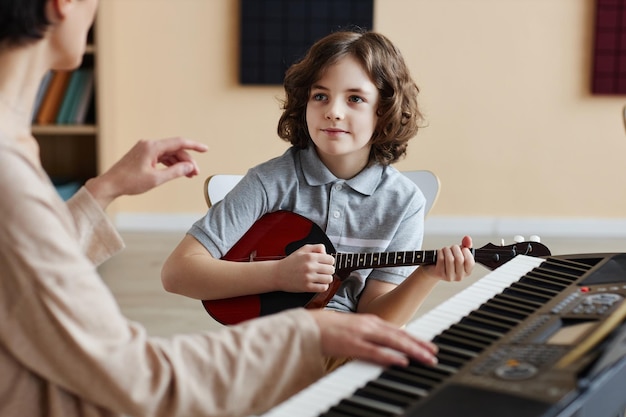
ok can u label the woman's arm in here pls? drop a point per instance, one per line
(137, 172)
(97, 235)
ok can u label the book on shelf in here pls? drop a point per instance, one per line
(65, 99)
(53, 97)
(69, 98)
(79, 91)
(43, 88)
(78, 112)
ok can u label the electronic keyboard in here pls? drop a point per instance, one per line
(535, 337)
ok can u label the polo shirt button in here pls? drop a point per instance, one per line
(336, 214)
(338, 187)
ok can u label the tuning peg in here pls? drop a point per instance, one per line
(535, 238)
(518, 239)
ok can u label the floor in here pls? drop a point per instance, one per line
(134, 278)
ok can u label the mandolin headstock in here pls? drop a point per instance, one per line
(493, 256)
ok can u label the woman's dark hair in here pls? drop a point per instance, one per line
(397, 111)
(22, 21)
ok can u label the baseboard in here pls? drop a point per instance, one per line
(437, 225)
(544, 227)
(155, 222)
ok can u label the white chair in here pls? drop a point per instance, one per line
(429, 183)
(217, 186)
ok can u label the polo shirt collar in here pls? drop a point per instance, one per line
(316, 173)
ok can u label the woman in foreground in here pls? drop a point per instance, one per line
(65, 348)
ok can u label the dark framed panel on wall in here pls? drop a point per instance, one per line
(276, 33)
(609, 48)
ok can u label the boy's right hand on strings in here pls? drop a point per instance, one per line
(308, 269)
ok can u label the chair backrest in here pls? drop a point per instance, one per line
(217, 186)
(429, 183)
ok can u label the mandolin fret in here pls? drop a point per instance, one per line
(383, 259)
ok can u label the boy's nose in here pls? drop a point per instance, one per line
(334, 113)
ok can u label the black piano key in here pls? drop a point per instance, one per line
(551, 276)
(450, 339)
(455, 330)
(336, 413)
(565, 267)
(473, 320)
(361, 408)
(381, 407)
(524, 294)
(343, 409)
(384, 395)
(502, 310)
(449, 360)
(453, 350)
(545, 292)
(513, 305)
(434, 369)
(395, 374)
(401, 391)
(411, 390)
(448, 369)
(543, 282)
(465, 356)
(484, 332)
(432, 375)
(525, 301)
(505, 321)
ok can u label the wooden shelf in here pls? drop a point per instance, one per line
(59, 130)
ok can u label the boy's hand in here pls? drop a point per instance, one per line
(453, 263)
(308, 269)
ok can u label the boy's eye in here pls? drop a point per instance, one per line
(355, 99)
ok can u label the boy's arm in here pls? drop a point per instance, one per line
(192, 271)
(396, 303)
(399, 303)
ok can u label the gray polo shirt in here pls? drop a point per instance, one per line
(379, 210)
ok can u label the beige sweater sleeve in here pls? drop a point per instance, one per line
(66, 350)
(97, 235)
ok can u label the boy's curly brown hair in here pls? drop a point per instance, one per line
(398, 113)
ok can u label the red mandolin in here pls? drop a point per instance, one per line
(278, 234)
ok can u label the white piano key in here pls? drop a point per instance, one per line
(326, 392)
(342, 383)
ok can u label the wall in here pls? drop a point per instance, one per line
(513, 133)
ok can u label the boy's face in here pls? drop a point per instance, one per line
(341, 116)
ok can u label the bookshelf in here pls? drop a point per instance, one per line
(66, 124)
